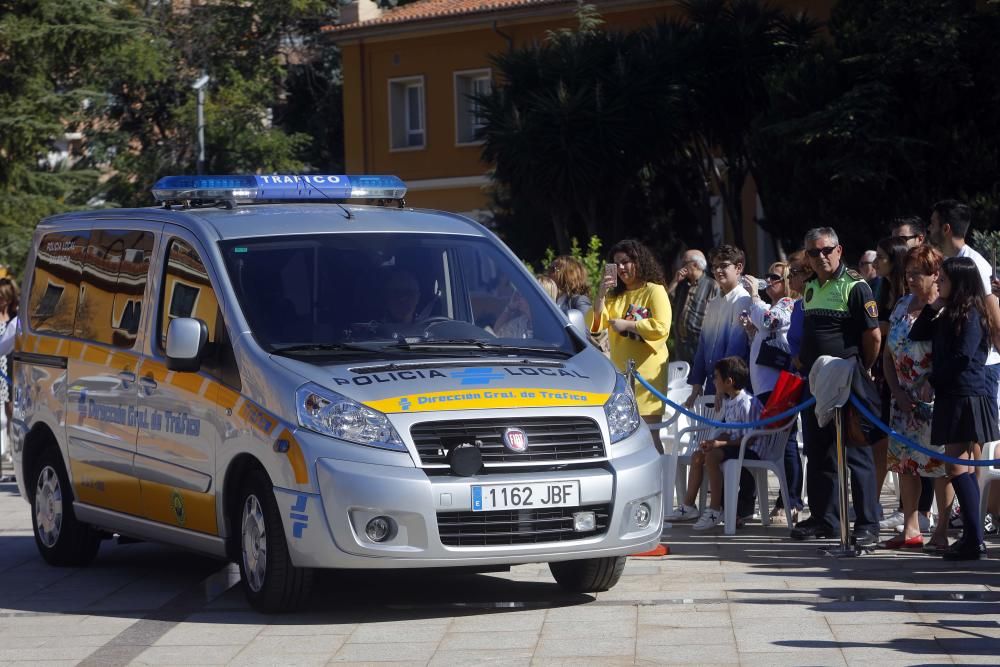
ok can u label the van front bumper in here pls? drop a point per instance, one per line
(328, 529)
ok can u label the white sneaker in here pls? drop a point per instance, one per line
(684, 513)
(891, 521)
(709, 519)
(925, 524)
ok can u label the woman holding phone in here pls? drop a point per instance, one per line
(632, 304)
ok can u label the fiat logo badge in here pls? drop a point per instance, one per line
(515, 440)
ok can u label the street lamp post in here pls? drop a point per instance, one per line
(199, 86)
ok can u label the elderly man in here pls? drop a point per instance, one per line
(866, 265)
(690, 291)
(841, 320)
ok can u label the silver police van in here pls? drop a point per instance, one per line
(261, 369)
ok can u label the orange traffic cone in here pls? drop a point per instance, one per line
(660, 550)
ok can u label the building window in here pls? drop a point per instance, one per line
(406, 113)
(47, 304)
(183, 300)
(469, 121)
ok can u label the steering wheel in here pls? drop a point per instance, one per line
(437, 319)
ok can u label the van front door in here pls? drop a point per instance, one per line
(175, 457)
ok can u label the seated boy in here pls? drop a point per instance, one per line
(731, 378)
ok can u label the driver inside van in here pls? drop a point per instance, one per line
(401, 294)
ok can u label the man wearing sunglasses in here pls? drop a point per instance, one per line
(841, 320)
(911, 230)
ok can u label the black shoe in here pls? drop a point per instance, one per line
(807, 530)
(863, 538)
(964, 552)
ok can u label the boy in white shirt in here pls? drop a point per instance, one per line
(731, 377)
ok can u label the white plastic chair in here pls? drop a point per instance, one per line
(673, 423)
(987, 475)
(677, 374)
(771, 444)
(679, 446)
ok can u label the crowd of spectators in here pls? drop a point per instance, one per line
(919, 315)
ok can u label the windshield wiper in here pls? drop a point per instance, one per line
(322, 347)
(476, 344)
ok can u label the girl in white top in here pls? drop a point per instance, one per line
(9, 302)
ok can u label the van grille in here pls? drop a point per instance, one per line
(482, 529)
(550, 439)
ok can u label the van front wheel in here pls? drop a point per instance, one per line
(60, 538)
(591, 575)
(270, 581)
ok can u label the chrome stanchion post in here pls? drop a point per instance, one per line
(630, 374)
(845, 548)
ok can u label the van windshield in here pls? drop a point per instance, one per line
(333, 294)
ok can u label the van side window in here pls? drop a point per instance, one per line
(115, 269)
(187, 292)
(55, 282)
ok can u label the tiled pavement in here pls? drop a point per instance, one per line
(755, 598)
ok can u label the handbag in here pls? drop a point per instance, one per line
(773, 356)
(786, 395)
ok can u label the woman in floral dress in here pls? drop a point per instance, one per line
(907, 367)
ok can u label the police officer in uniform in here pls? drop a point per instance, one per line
(841, 320)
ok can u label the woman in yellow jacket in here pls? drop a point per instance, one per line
(633, 305)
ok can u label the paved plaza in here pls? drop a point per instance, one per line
(753, 599)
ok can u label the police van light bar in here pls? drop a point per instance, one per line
(277, 187)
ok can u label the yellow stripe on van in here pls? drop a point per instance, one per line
(93, 354)
(48, 345)
(485, 399)
(182, 508)
(225, 397)
(105, 488)
(295, 458)
(189, 382)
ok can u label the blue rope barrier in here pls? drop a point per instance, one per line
(712, 422)
(863, 409)
(809, 403)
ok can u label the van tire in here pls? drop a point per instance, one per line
(61, 539)
(274, 585)
(591, 575)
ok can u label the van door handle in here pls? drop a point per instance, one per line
(147, 383)
(127, 378)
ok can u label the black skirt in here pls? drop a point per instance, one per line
(964, 419)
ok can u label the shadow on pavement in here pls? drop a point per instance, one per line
(147, 580)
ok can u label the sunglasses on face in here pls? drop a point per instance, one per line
(718, 268)
(826, 252)
(773, 278)
(905, 238)
(796, 272)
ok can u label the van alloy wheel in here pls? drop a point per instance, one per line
(254, 539)
(48, 506)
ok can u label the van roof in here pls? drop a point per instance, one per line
(262, 220)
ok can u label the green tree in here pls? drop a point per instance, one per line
(54, 58)
(737, 45)
(118, 75)
(571, 134)
(896, 113)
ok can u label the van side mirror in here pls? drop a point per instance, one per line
(186, 339)
(576, 319)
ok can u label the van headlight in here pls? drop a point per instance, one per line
(621, 411)
(329, 413)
